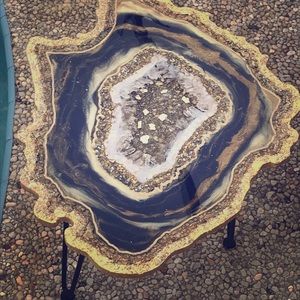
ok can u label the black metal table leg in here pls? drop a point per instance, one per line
(68, 293)
(229, 241)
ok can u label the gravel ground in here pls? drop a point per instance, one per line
(266, 263)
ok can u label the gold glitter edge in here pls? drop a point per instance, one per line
(27, 137)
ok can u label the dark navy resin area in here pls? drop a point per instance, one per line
(128, 224)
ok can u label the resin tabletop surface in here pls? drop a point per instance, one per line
(147, 131)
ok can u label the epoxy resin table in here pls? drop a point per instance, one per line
(148, 130)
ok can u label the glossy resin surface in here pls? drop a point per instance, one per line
(150, 132)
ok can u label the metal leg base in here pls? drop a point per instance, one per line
(69, 293)
(229, 244)
(229, 241)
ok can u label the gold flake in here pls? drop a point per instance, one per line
(144, 139)
(162, 117)
(152, 126)
(145, 111)
(185, 99)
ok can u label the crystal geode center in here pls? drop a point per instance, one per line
(153, 109)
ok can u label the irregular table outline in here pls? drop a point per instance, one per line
(81, 235)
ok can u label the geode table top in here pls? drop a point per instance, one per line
(148, 130)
